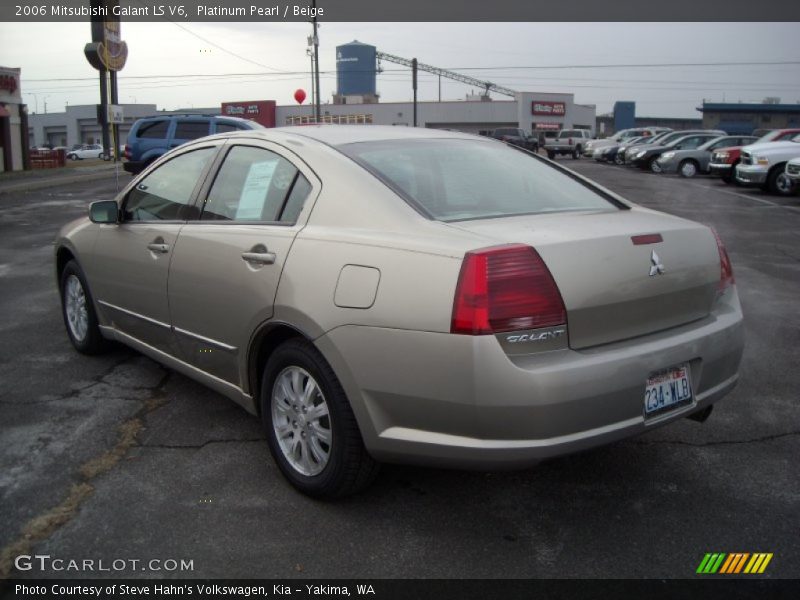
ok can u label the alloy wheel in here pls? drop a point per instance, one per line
(301, 421)
(75, 308)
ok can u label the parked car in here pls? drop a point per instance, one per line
(764, 165)
(516, 137)
(368, 293)
(152, 137)
(85, 151)
(568, 141)
(663, 140)
(723, 162)
(689, 162)
(793, 171)
(622, 135)
(645, 157)
(608, 153)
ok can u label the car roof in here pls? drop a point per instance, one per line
(336, 135)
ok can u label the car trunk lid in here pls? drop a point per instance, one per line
(615, 287)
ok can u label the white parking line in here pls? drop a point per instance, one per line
(745, 196)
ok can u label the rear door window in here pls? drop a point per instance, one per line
(190, 130)
(227, 127)
(252, 185)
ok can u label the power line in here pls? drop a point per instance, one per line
(499, 68)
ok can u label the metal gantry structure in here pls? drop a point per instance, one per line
(488, 86)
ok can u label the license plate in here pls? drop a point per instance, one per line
(667, 389)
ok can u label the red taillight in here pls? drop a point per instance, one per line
(569, 141)
(726, 269)
(505, 288)
(127, 152)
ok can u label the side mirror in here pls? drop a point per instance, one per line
(104, 211)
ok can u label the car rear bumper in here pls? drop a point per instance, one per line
(460, 401)
(751, 174)
(560, 149)
(133, 166)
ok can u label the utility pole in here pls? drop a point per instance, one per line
(316, 63)
(414, 85)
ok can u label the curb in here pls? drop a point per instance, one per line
(46, 182)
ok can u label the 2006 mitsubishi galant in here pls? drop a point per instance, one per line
(405, 295)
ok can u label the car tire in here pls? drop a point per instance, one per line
(551, 155)
(77, 309)
(72, 156)
(576, 153)
(778, 182)
(618, 160)
(653, 166)
(688, 168)
(324, 457)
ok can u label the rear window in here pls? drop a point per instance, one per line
(153, 129)
(451, 180)
(570, 133)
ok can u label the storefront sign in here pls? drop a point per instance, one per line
(555, 109)
(547, 126)
(9, 83)
(260, 111)
(107, 50)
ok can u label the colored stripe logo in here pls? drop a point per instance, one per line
(734, 563)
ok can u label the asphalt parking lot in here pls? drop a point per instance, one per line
(115, 457)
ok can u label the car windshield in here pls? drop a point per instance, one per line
(707, 145)
(456, 179)
(658, 137)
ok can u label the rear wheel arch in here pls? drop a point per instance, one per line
(262, 346)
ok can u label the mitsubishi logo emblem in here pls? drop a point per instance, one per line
(656, 267)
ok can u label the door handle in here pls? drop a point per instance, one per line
(259, 258)
(159, 248)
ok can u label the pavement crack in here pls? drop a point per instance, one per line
(203, 445)
(41, 527)
(766, 438)
(74, 393)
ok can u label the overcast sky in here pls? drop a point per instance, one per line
(272, 61)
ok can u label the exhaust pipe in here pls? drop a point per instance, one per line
(701, 415)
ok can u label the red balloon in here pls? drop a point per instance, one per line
(300, 96)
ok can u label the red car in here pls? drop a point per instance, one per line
(724, 161)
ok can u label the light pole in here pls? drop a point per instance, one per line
(316, 62)
(35, 101)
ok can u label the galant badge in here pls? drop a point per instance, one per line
(656, 267)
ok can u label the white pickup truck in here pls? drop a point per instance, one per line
(568, 141)
(764, 165)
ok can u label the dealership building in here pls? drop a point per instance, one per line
(741, 118)
(531, 111)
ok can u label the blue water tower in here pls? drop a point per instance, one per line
(355, 69)
(624, 115)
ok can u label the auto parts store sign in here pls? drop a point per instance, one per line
(553, 109)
